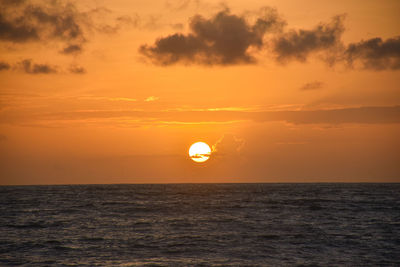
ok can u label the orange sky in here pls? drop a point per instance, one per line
(117, 91)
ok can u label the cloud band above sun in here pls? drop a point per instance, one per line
(359, 115)
(229, 39)
(222, 39)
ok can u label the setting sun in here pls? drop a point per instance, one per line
(199, 152)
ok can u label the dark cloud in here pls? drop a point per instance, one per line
(4, 66)
(77, 69)
(41, 21)
(33, 68)
(224, 39)
(72, 49)
(61, 21)
(6, 3)
(312, 86)
(298, 45)
(28, 66)
(56, 21)
(375, 54)
(268, 20)
(227, 39)
(15, 31)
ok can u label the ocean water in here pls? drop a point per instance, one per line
(201, 225)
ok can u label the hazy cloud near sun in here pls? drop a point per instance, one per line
(228, 145)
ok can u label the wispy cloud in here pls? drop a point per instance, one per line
(151, 99)
(126, 99)
(360, 115)
(30, 67)
(77, 69)
(312, 86)
(228, 144)
(72, 49)
(37, 68)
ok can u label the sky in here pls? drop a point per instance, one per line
(98, 92)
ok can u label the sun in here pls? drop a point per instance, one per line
(199, 152)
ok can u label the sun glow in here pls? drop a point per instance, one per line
(199, 152)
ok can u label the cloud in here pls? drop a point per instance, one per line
(29, 67)
(200, 156)
(16, 32)
(229, 39)
(33, 68)
(77, 69)
(120, 22)
(25, 22)
(125, 99)
(12, 2)
(228, 144)
(177, 26)
(360, 115)
(4, 66)
(298, 45)
(72, 49)
(56, 21)
(151, 98)
(179, 5)
(224, 39)
(312, 86)
(375, 54)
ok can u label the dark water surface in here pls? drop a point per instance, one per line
(201, 224)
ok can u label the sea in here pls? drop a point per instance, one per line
(323, 224)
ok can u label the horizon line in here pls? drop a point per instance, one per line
(189, 183)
